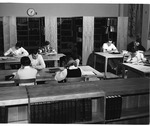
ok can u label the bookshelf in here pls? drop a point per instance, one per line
(104, 28)
(82, 105)
(30, 32)
(90, 100)
(69, 30)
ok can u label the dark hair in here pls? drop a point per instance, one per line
(25, 61)
(109, 39)
(18, 44)
(46, 43)
(34, 51)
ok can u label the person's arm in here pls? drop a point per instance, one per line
(114, 49)
(61, 75)
(24, 52)
(9, 51)
(104, 48)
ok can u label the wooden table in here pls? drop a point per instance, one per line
(15, 60)
(136, 70)
(45, 74)
(106, 56)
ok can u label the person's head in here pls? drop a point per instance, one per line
(109, 42)
(47, 43)
(71, 62)
(18, 45)
(137, 42)
(34, 53)
(25, 61)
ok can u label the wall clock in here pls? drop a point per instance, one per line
(31, 12)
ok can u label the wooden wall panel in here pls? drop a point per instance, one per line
(122, 32)
(51, 30)
(88, 38)
(10, 34)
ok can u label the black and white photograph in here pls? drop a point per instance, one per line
(82, 62)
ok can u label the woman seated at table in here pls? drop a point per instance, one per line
(16, 51)
(47, 48)
(37, 60)
(26, 71)
(70, 70)
(136, 57)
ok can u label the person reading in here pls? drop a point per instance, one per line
(37, 60)
(25, 71)
(70, 70)
(109, 47)
(16, 51)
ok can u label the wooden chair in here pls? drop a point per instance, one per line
(25, 82)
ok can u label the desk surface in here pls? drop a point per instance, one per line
(45, 74)
(141, 68)
(17, 95)
(81, 89)
(17, 60)
(108, 55)
(13, 96)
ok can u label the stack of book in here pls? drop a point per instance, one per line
(67, 111)
(3, 114)
(113, 107)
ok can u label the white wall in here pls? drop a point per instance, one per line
(49, 9)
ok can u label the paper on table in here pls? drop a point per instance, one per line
(88, 73)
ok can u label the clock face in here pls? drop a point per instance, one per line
(31, 12)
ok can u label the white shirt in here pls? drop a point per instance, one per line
(139, 57)
(107, 48)
(26, 72)
(61, 75)
(17, 52)
(37, 63)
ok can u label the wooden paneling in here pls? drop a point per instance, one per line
(10, 35)
(88, 38)
(122, 32)
(51, 30)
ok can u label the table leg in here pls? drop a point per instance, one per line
(105, 72)
(94, 61)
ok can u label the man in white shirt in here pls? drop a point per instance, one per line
(109, 47)
(37, 60)
(26, 71)
(16, 51)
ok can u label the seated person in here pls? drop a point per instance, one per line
(109, 47)
(136, 57)
(37, 60)
(70, 70)
(16, 51)
(47, 48)
(135, 45)
(26, 71)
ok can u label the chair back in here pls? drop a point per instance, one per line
(25, 82)
(75, 79)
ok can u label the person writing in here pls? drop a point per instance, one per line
(25, 71)
(16, 51)
(70, 70)
(37, 60)
(109, 47)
